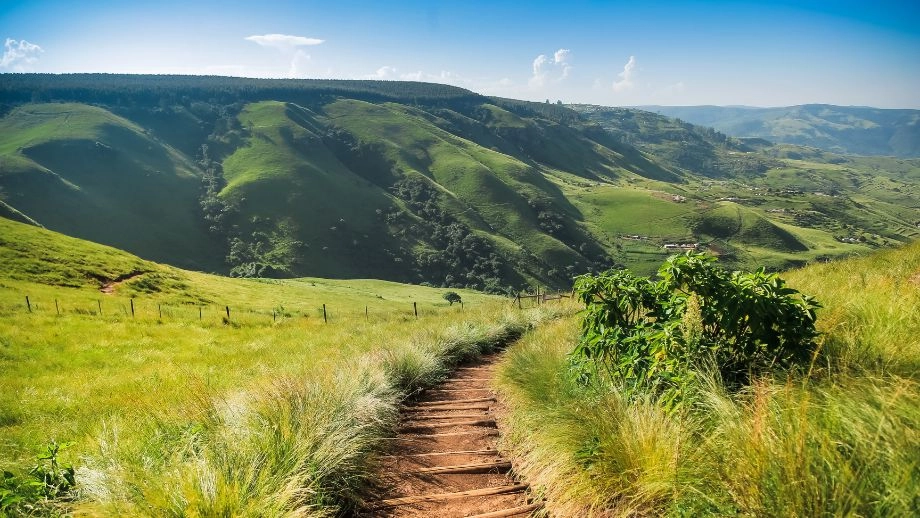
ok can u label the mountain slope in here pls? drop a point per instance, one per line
(84, 171)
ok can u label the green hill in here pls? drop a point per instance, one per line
(418, 182)
(89, 173)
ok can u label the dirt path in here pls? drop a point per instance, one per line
(444, 462)
(109, 285)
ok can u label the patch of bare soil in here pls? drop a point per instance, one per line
(109, 285)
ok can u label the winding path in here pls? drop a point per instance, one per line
(445, 463)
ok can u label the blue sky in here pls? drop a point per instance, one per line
(612, 53)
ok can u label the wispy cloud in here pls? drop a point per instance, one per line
(627, 76)
(20, 55)
(283, 41)
(546, 69)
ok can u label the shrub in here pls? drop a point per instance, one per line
(654, 336)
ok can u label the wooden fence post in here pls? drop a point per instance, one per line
(273, 314)
(325, 319)
(415, 309)
(228, 312)
(160, 309)
(365, 313)
(56, 307)
(199, 312)
(28, 304)
(519, 301)
(99, 303)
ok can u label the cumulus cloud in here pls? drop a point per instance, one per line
(289, 46)
(299, 65)
(19, 55)
(627, 76)
(384, 72)
(556, 68)
(283, 41)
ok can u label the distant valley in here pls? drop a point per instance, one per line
(840, 129)
(421, 183)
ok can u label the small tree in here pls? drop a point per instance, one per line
(452, 296)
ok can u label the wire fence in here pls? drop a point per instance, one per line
(144, 309)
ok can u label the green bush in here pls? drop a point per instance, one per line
(655, 336)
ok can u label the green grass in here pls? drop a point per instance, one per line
(251, 417)
(87, 172)
(839, 440)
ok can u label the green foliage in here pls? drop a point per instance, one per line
(452, 296)
(656, 336)
(47, 484)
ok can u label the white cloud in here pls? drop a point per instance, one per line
(384, 72)
(546, 69)
(627, 76)
(299, 64)
(283, 41)
(18, 56)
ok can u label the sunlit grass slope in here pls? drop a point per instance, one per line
(286, 177)
(838, 440)
(87, 172)
(496, 187)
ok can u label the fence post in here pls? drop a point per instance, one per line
(519, 301)
(56, 307)
(99, 303)
(461, 305)
(415, 309)
(273, 314)
(365, 313)
(199, 312)
(28, 304)
(132, 308)
(228, 312)
(160, 309)
(325, 320)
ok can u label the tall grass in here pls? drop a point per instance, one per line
(842, 440)
(296, 445)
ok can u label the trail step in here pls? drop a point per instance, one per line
(470, 406)
(436, 497)
(498, 466)
(473, 422)
(421, 437)
(458, 380)
(450, 390)
(453, 401)
(423, 417)
(445, 453)
(513, 511)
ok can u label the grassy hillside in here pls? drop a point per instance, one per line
(168, 412)
(87, 172)
(837, 437)
(840, 129)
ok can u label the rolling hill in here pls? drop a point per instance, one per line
(420, 183)
(840, 129)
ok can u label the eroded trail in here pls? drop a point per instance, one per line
(445, 463)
